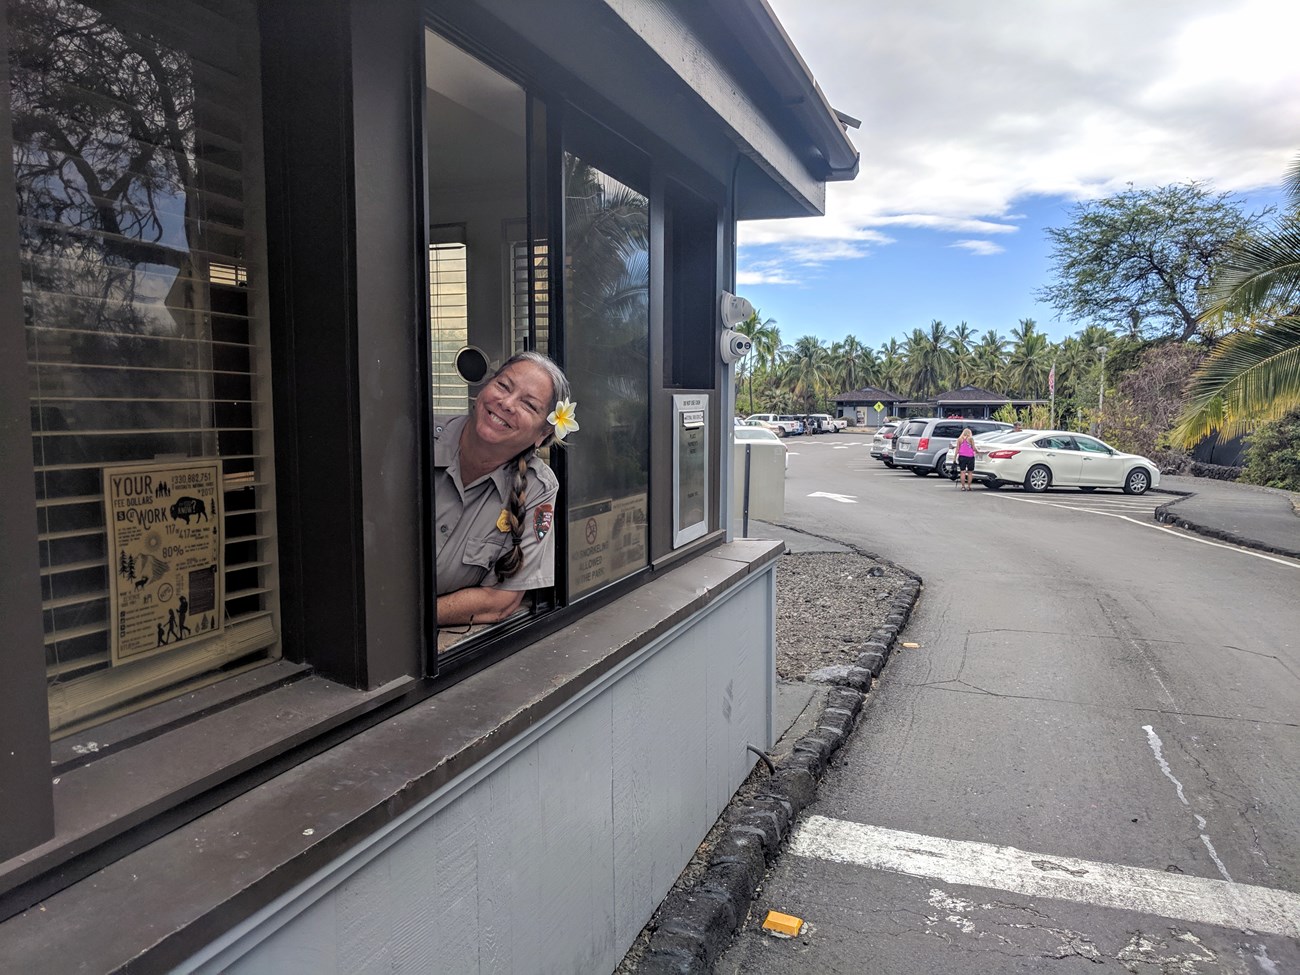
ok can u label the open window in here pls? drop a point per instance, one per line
(488, 299)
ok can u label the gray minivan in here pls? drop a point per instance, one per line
(922, 443)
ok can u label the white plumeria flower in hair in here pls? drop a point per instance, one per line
(563, 418)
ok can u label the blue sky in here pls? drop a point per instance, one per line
(984, 123)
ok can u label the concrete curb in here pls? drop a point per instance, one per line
(1165, 516)
(697, 924)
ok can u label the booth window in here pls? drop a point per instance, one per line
(607, 346)
(137, 161)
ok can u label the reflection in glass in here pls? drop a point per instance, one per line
(132, 140)
(607, 343)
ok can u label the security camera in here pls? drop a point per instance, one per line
(734, 345)
(733, 309)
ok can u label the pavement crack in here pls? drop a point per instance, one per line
(1048, 866)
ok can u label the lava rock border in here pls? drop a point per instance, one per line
(697, 924)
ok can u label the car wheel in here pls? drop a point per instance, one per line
(993, 484)
(920, 471)
(1087, 490)
(1038, 479)
(780, 432)
(1137, 482)
(943, 470)
(888, 463)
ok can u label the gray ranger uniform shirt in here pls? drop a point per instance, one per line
(469, 539)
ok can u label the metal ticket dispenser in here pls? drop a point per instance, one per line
(690, 467)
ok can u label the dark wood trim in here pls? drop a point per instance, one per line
(307, 107)
(26, 803)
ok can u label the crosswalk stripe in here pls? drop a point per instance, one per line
(1175, 896)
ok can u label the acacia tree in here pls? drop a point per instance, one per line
(1135, 262)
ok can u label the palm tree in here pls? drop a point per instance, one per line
(806, 373)
(1023, 329)
(989, 361)
(851, 363)
(1029, 363)
(893, 365)
(962, 356)
(927, 358)
(764, 339)
(1253, 375)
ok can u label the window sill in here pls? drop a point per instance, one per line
(190, 886)
(113, 795)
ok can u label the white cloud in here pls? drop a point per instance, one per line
(764, 277)
(969, 107)
(984, 248)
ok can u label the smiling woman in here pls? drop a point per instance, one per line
(495, 498)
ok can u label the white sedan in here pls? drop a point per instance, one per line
(758, 435)
(1059, 458)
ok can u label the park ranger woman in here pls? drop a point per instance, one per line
(494, 498)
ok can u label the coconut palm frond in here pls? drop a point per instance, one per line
(1249, 379)
(1260, 273)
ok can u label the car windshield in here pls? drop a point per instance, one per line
(915, 428)
(755, 434)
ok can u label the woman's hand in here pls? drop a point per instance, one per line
(477, 604)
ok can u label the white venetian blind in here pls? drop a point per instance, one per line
(448, 321)
(137, 158)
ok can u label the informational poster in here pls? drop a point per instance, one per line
(607, 540)
(166, 556)
(690, 467)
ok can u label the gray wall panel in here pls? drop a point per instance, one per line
(554, 859)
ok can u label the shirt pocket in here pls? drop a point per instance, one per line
(483, 552)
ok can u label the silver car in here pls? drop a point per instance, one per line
(882, 439)
(923, 444)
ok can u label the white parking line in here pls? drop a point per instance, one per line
(1159, 528)
(1175, 896)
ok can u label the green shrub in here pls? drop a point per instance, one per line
(1273, 454)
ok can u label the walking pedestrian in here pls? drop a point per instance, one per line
(965, 459)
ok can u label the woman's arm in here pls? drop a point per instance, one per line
(477, 604)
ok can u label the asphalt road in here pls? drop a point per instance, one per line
(1117, 702)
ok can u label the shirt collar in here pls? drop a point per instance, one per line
(446, 454)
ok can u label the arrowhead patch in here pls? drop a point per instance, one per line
(543, 517)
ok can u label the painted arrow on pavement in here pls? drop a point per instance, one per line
(841, 498)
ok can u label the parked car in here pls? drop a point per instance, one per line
(1060, 458)
(757, 435)
(783, 425)
(983, 445)
(922, 445)
(884, 434)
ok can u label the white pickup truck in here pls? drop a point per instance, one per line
(783, 425)
(825, 423)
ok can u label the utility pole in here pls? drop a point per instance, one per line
(1101, 387)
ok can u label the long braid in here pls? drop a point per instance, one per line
(510, 563)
